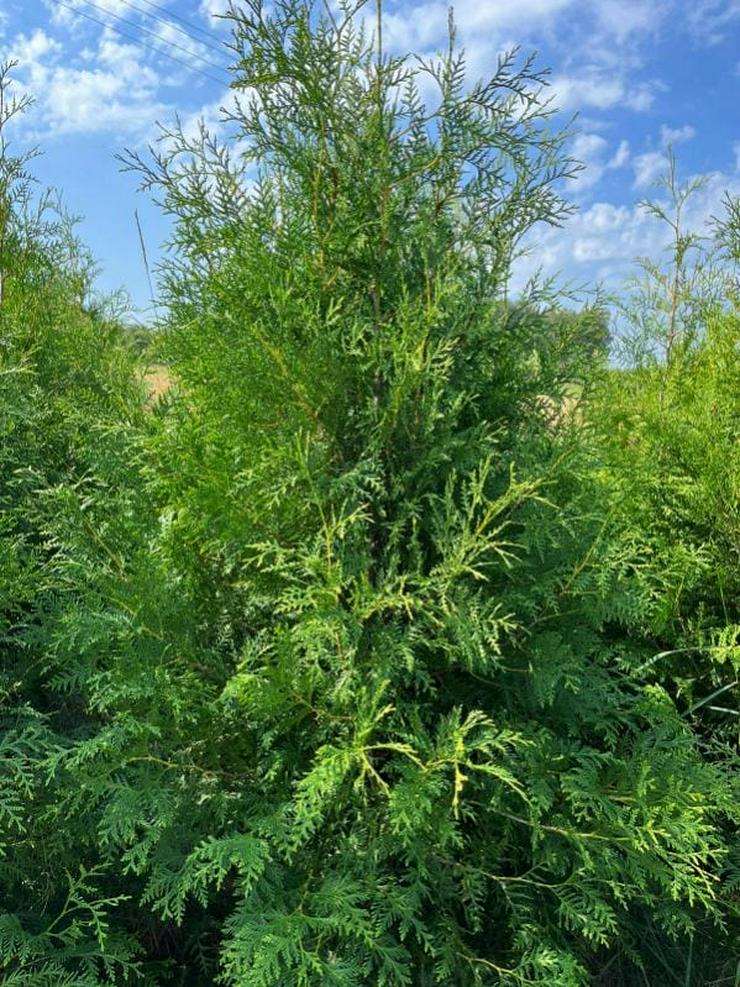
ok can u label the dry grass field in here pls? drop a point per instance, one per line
(159, 380)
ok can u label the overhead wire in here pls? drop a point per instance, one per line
(154, 34)
(172, 16)
(148, 31)
(143, 44)
(169, 20)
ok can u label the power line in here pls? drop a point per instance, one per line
(143, 44)
(169, 21)
(153, 34)
(176, 17)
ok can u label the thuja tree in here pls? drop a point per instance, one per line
(670, 417)
(65, 378)
(346, 696)
(63, 367)
(668, 420)
(427, 761)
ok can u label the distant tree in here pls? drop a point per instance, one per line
(665, 305)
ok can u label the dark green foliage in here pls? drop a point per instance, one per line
(331, 668)
(64, 375)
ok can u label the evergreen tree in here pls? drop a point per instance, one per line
(454, 775)
(65, 378)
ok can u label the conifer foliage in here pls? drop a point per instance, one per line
(321, 672)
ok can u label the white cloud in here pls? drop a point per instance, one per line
(605, 38)
(132, 22)
(589, 149)
(77, 13)
(598, 91)
(211, 9)
(113, 90)
(601, 23)
(211, 115)
(648, 167)
(622, 19)
(592, 150)
(183, 46)
(417, 28)
(100, 82)
(28, 50)
(90, 101)
(621, 155)
(602, 242)
(641, 96)
(424, 25)
(707, 202)
(676, 135)
(125, 60)
(63, 15)
(60, 16)
(736, 151)
(711, 21)
(601, 90)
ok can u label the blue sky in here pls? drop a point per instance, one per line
(639, 73)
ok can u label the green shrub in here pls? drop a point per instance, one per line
(668, 440)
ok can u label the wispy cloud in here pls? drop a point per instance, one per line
(602, 241)
(712, 21)
(107, 88)
(92, 72)
(213, 9)
(597, 88)
(670, 136)
(595, 153)
(648, 167)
